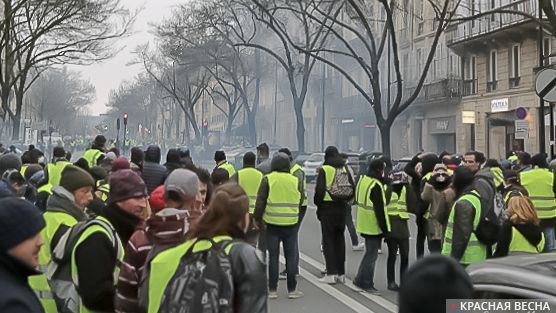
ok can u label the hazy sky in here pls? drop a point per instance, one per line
(107, 75)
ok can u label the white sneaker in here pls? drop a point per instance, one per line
(341, 279)
(359, 247)
(329, 279)
(273, 295)
(379, 251)
(295, 294)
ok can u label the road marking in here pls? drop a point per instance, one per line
(338, 295)
(383, 302)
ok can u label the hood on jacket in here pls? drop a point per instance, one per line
(152, 154)
(531, 232)
(63, 201)
(167, 226)
(280, 163)
(333, 158)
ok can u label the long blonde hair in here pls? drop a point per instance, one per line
(521, 210)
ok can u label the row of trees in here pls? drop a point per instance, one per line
(36, 36)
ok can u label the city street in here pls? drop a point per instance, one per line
(325, 298)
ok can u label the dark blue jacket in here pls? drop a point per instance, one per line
(16, 295)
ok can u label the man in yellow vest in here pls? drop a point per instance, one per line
(249, 179)
(277, 208)
(96, 153)
(220, 160)
(541, 186)
(64, 209)
(52, 176)
(99, 249)
(373, 222)
(460, 241)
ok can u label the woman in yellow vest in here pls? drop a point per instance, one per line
(522, 232)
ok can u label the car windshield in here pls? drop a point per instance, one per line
(316, 157)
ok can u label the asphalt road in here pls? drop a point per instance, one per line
(323, 298)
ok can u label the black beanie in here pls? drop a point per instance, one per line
(74, 178)
(98, 173)
(430, 281)
(19, 221)
(219, 156)
(9, 161)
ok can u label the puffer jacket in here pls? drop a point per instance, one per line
(164, 230)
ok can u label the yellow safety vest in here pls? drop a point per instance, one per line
(23, 169)
(165, 264)
(112, 238)
(282, 204)
(249, 179)
(102, 190)
(39, 283)
(367, 223)
(398, 205)
(54, 175)
(539, 183)
(475, 251)
(303, 182)
(498, 176)
(520, 244)
(228, 167)
(92, 156)
(329, 174)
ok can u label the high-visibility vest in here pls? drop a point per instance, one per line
(39, 283)
(475, 251)
(520, 244)
(23, 169)
(539, 184)
(398, 205)
(329, 174)
(228, 167)
(164, 266)
(102, 190)
(112, 237)
(367, 223)
(498, 176)
(293, 170)
(513, 158)
(92, 156)
(282, 204)
(54, 175)
(249, 179)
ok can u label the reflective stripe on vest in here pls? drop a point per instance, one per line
(475, 251)
(282, 204)
(228, 167)
(39, 283)
(397, 205)
(367, 222)
(103, 189)
(165, 264)
(92, 156)
(293, 170)
(249, 179)
(498, 175)
(329, 174)
(23, 169)
(520, 244)
(539, 184)
(113, 237)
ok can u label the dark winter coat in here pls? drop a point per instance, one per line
(334, 209)
(398, 226)
(153, 174)
(531, 232)
(16, 295)
(464, 214)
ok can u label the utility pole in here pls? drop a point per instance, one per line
(275, 98)
(542, 139)
(125, 131)
(323, 106)
(118, 133)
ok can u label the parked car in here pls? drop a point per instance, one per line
(312, 165)
(525, 276)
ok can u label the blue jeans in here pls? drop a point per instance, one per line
(549, 239)
(366, 272)
(288, 236)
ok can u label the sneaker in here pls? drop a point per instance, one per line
(359, 247)
(372, 291)
(295, 294)
(393, 287)
(323, 271)
(341, 279)
(283, 275)
(273, 295)
(379, 251)
(329, 279)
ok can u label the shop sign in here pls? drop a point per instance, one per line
(521, 129)
(468, 117)
(347, 121)
(499, 105)
(444, 125)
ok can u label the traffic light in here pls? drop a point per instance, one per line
(125, 118)
(205, 127)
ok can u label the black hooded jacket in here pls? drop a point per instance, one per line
(530, 231)
(172, 161)
(153, 173)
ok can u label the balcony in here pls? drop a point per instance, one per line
(514, 82)
(469, 87)
(447, 88)
(497, 24)
(492, 85)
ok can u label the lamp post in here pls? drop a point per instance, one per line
(118, 132)
(125, 131)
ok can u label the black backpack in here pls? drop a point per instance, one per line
(492, 216)
(203, 282)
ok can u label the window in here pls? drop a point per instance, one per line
(547, 50)
(419, 57)
(515, 61)
(492, 70)
(419, 15)
(470, 84)
(492, 7)
(405, 64)
(472, 11)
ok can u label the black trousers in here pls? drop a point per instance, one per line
(393, 246)
(435, 246)
(421, 235)
(333, 243)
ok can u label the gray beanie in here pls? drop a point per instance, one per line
(9, 161)
(184, 182)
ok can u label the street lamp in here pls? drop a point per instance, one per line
(118, 132)
(125, 129)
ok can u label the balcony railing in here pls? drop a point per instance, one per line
(514, 82)
(492, 22)
(492, 85)
(446, 88)
(469, 87)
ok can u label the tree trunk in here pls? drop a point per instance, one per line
(385, 139)
(229, 128)
(298, 105)
(17, 115)
(252, 128)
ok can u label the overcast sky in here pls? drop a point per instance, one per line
(108, 75)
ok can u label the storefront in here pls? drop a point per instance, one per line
(443, 133)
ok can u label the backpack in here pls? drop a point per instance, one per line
(203, 282)
(342, 187)
(58, 273)
(493, 215)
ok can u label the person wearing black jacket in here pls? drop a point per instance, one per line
(152, 172)
(420, 207)
(332, 216)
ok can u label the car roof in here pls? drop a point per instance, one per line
(529, 271)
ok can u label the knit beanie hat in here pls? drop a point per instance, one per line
(74, 178)
(9, 161)
(19, 221)
(120, 163)
(32, 170)
(184, 182)
(430, 281)
(156, 199)
(126, 184)
(98, 173)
